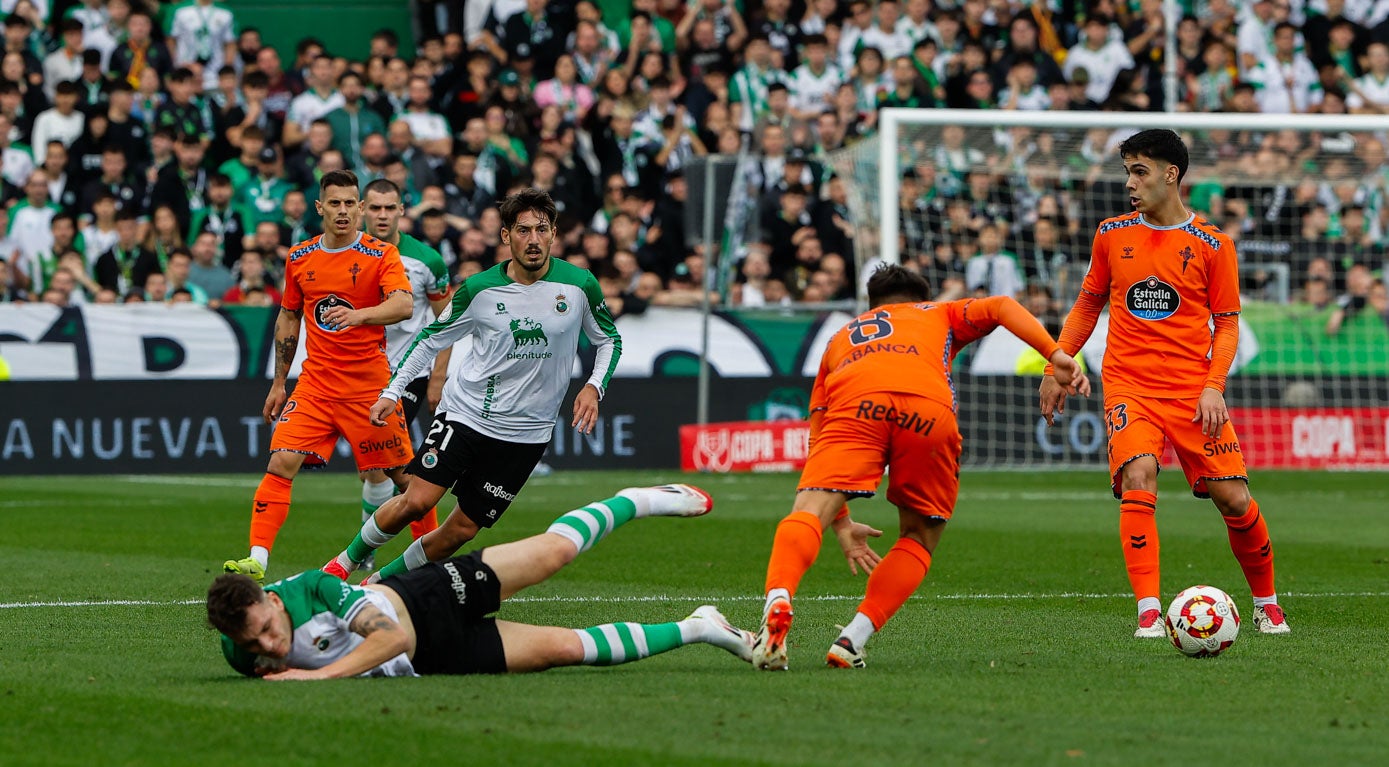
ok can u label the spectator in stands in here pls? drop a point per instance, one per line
(62, 123)
(127, 264)
(182, 185)
(993, 271)
(251, 277)
(1359, 285)
(206, 270)
(178, 271)
(1102, 58)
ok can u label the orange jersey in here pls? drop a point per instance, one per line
(1163, 284)
(348, 363)
(908, 348)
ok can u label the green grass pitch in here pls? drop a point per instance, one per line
(1016, 650)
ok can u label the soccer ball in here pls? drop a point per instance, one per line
(1202, 621)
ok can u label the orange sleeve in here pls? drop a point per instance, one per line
(1222, 291)
(1022, 324)
(393, 276)
(292, 298)
(1223, 346)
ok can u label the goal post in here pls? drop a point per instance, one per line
(1305, 197)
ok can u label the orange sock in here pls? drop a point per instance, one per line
(270, 509)
(894, 580)
(426, 524)
(1249, 541)
(794, 549)
(1138, 530)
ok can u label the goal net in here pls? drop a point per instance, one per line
(1007, 202)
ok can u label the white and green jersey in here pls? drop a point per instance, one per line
(524, 351)
(321, 608)
(429, 281)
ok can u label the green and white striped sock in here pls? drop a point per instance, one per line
(614, 643)
(591, 524)
(374, 494)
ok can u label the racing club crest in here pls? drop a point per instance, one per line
(430, 459)
(561, 304)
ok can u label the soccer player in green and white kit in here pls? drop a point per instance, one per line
(429, 284)
(434, 620)
(498, 414)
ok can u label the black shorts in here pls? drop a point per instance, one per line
(485, 473)
(414, 398)
(449, 602)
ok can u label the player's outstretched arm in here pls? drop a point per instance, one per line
(384, 639)
(286, 346)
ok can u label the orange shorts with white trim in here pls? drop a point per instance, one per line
(915, 438)
(311, 426)
(1138, 426)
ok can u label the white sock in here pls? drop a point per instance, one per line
(373, 535)
(261, 555)
(374, 494)
(1148, 603)
(774, 595)
(859, 630)
(415, 556)
(1263, 601)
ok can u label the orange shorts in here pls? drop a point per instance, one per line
(916, 438)
(311, 426)
(1137, 427)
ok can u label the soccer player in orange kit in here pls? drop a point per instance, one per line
(883, 398)
(1168, 277)
(351, 285)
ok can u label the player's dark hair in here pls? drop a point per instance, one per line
(337, 178)
(1158, 144)
(227, 600)
(529, 198)
(383, 186)
(895, 281)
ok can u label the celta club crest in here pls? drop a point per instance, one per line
(1186, 255)
(527, 332)
(561, 304)
(712, 451)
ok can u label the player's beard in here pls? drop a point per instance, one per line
(541, 259)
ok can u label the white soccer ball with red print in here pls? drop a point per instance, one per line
(1202, 621)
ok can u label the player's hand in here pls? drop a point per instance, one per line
(1067, 373)
(294, 675)
(383, 407)
(853, 539)
(1211, 412)
(339, 317)
(274, 403)
(1053, 398)
(585, 409)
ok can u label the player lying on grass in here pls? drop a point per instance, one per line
(434, 619)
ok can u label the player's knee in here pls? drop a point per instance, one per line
(1232, 501)
(284, 464)
(1139, 474)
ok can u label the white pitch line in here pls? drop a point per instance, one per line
(168, 479)
(708, 599)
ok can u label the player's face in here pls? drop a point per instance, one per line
(267, 631)
(530, 239)
(340, 210)
(382, 212)
(1148, 184)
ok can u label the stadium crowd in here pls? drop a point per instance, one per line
(161, 152)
